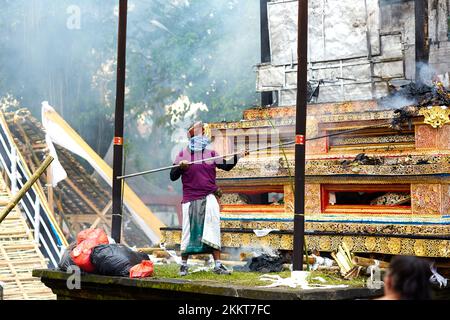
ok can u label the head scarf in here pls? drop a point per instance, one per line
(196, 129)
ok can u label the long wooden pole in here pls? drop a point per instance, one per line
(25, 188)
(266, 97)
(204, 160)
(300, 133)
(284, 144)
(116, 227)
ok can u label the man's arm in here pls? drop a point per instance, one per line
(227, 166)
(175, 173)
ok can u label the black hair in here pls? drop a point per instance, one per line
(411, 277)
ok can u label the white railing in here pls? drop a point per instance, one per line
(46, 231)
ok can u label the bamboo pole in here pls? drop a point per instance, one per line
(25, 188)
(366, 262)
(50, 191)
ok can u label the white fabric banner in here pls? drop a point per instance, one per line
(57, 170)
(60, 137)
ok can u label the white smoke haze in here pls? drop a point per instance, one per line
(186, 61)
(397, 102)
(427, 76)
(180, 3)
(182, 114)
(426, 73)
(202, 51)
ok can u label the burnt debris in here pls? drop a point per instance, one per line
(362, 159)
(411, 97)
(404, 116)
(263, 263)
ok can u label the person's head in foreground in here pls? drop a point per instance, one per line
(408, 278)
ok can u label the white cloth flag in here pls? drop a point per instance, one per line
(57, 170)
(58, 136)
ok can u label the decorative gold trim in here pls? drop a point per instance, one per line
(359, 244)
(207, 130)
(436, 116)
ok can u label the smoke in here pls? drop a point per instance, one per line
(408, 93)
(202, 54)
(64, 52)
(397, 101)
(427, 74)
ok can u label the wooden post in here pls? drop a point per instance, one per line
(266, 97)
(116, 227)
(25, 188)
(300, 133)
(421, 30)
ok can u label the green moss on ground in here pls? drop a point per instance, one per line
(251, 279)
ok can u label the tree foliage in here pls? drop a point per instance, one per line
(201, 49)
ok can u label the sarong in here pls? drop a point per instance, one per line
(201, 226)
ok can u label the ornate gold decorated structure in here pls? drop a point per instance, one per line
(380, 185)
(376, 189)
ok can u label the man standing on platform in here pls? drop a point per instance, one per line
(200, 206)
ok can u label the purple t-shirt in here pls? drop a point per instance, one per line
(199, 180)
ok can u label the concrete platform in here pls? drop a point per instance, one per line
(96, 287)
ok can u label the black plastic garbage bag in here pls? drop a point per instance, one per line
(263, 263)
(66, 261)
(115, 259)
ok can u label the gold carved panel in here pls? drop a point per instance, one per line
(443, 139)
(426, 199)
(446, 199)
(312, 199)
(318, 146)
(288, 199)
(426, 137)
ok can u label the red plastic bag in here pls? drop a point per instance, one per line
(142, 270)
(81, 255)
(96, 234)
